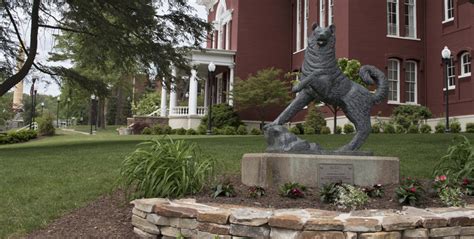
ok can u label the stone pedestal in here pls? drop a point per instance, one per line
(268, 169)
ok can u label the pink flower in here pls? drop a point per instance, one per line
(412, 189)
(465, 181)
(442, 178)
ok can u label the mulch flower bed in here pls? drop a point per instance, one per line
(272, 198)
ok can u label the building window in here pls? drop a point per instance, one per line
(448, 10)
(322, 13)
(465, 64)
(410, 18)
(410, 82)
(331, 12)
(392, 17)
(451, 72)
(306, 21)
(298, 25)
(393, 80)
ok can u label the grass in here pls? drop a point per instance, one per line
(44, 179)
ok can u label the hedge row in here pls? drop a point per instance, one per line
(18, 136)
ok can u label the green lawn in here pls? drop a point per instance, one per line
(43, 179)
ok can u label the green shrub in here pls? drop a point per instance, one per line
(400, 129)
(222, 115)
(225, 189)
(255, 131)
(325, 130)
(329, 192)
(157, 129)
(148, 103)
(256, 192)
(147, 131)
(351, 197)
(166, 168)
(242, 130)
(388, 129)
(229, 130)
(376, 191)
(338, 129)
(406, 115)
(455, 126)
(425, 129)
(181, 131)
(349, 129)
(458, 163)
(309, 130)
(452, 197)
(470, 128)
(292, 190)
(191, 132)
(409, 192)
(413, 129)
(314, 119)
(45, 125)
(202, 129)
(295, 130)
(300, 126)
(375, 128)
(440, 127)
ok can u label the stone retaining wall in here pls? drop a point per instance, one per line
(161, 218)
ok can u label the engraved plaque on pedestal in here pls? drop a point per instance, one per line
(335, 173)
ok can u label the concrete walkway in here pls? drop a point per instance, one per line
(75, 131)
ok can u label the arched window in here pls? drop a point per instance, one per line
(393, 73)
(465, 64)
(411, 79)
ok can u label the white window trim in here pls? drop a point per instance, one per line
(398, 82)
(451, 87)
(298, 25)
(465, 74)
(416, 83)
(446, 19)
(322, 13)
(404, 38)
(414, 22)
(398, 19)
(453, 65)
(306, 21)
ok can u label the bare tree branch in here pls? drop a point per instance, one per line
(11, 81)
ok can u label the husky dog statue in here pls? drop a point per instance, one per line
(323, 81)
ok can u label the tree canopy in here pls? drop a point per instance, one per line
(100, 36)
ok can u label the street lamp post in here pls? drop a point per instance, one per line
(96, 112)
(211, 68)
(67, 113)
(32, 93)
(57, 112)
(92, 112)
(446, 56)
(42, 108)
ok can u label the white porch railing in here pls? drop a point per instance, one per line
(184, 111)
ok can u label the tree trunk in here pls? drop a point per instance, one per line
(11, 81)
(102, 114)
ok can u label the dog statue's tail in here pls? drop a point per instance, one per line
(371, 75)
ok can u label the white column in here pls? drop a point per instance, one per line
(231, 85)
(220, 39)
(163, 101)
(173, 93)
(206, 92)
(193, 91)
(227, 35)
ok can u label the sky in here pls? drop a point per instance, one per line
(46, 43)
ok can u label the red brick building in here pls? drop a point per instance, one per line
(404, 38)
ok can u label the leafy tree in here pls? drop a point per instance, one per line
(350, 68)
(6, 111)
(260, 91)
(222, 115)
(148, 103)
(113, 33)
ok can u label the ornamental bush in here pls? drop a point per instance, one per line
(349, 129)
(400, 129)
(181, 131)
(309, 130)
(242, 130)
(455, 126)
(351, 197)
(338, 130)
(166, 168)
(325, 130)
(375, 128)
(470, 128)
(147, 131)
(45, 125)
(458, 163)
(413, 129)
(191, 132)
(440, 127)
(295, 130)
(229, 130)
(389, 129)
(18, 136)
(222, 115)
(314, 119)
(255, 131)
(406, 115)
(425, 129)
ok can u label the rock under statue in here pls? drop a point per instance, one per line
(323, 81)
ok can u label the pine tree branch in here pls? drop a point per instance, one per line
(65, 29)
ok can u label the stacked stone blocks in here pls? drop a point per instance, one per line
(162, 218)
